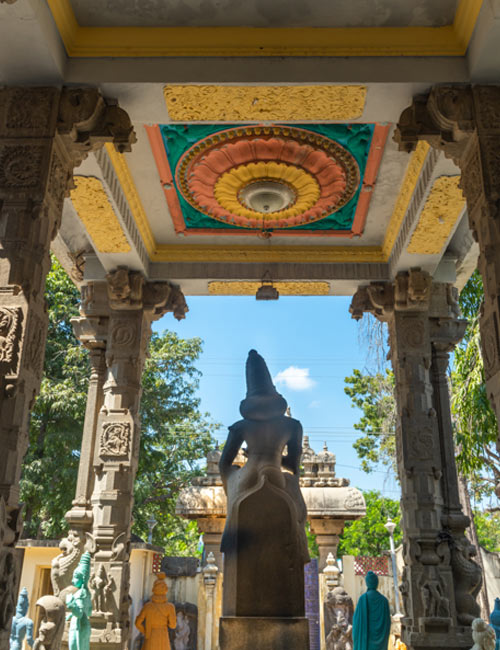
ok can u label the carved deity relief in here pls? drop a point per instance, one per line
(115, 439)
(10, 334)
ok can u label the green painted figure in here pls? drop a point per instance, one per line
(371, 624)
(22, 626)
(79, 604)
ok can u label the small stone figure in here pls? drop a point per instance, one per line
(182, 630)
(22, 626)
(264, 541)
(156, 617)
(483, 635)
(101, 584)
(495, 621)
(51, 628)
(338, 619)
(372, 618)
(79, 605)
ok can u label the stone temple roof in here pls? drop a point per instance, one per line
(326, 495)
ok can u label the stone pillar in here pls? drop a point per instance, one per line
(327, 533)
(464, 122)
(44, 134)
(212, 528)
(210, 572)
(118, 312)
(440, 581)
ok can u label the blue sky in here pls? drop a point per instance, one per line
(310, 345)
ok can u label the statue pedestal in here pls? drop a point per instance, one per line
(264, 633)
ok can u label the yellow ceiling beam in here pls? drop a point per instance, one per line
(450, 40)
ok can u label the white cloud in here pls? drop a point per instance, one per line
(295, 378)
(315, 404)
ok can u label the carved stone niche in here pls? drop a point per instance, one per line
(184, 636)
(114, 444)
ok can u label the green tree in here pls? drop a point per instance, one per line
(367, 536)
(474, 419)
(488, 529)
(175, 435)
(374, 396)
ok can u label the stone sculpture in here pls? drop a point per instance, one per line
(64, 564)
(156, 617)
(101, 585)
(182, 631)
(79, 605)
(495, 622)
(264, 541)
(372, 618)
(22, 626)
(338, 613)
(468, 578)
(483, 635)
(51, 628)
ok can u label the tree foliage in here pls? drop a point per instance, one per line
(474, 419)
(175, 435)
(367, 536)
(374, 396)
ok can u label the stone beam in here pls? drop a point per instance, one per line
(44, 134)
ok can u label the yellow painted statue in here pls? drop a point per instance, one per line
(156, 617)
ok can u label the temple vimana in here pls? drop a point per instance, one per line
(162, 149)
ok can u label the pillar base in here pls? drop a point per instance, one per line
(269, 633)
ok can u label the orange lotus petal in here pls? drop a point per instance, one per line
(204, 173)
(218, 161)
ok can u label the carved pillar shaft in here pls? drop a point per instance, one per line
(44, 134)
(118, 314)
(439, 578)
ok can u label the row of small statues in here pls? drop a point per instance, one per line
(153, 621)
(368, 627)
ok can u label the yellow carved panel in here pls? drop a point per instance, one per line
(96, 212)
(404, 197)
(254, 103)
(444, 205)
(284, 288)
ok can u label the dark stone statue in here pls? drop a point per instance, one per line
(264, 541)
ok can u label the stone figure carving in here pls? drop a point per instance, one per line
(265, 508)
(338, 610)
(64, 564)
(181, 641)
(156, 617)
(79, 605)
(51, 628)
(22, 626)
(7, 586)
(495, 621)
(101, 585)
(115, 439)
(467, 577)
(483, 635)
(435, 603)
(372, 618)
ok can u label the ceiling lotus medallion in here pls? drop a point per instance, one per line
(267, 177)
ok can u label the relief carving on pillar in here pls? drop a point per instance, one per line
(125, 289)
(10, 336)
(467, 577)
(20, 167)
(65, 563)
(115, 440)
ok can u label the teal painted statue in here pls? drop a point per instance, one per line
(79, 605)
(372, 618)
(22, 626)
(495, 622)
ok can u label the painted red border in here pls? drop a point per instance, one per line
(375, 154)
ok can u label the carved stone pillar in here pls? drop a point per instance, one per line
(464, 122)
(327, 533)
(44, 134)
(440, 580)
(118, 312)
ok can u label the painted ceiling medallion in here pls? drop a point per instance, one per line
(267, 177)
